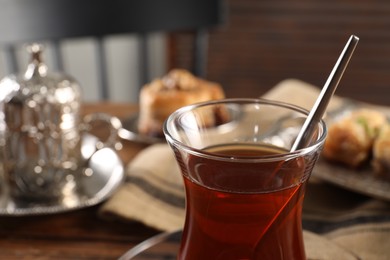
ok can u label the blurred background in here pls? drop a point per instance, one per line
(259, 44)
(79, 58)
(264, 42)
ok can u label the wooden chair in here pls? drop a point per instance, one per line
(25, 21)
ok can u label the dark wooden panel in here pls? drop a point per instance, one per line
(264, 42)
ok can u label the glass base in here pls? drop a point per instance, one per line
(166, 246)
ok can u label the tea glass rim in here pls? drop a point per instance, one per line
(261, 158)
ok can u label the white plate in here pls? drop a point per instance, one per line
(362, 181)
(107, 174)
(359, 180)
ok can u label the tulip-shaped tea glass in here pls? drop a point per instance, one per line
(244, 188)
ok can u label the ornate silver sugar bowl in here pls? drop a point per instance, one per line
(40, 133)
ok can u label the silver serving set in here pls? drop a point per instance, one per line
(49, 159)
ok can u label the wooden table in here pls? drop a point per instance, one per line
(79, 234)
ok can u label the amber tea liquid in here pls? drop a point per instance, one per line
(241, 208)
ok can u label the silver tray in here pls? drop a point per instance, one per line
(129, 131)
(362, 180)
(107, 174)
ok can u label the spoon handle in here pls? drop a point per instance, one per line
(319, 108)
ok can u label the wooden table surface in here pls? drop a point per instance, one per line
(79, 234)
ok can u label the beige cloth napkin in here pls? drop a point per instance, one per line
(153, 193)
(338, 224)
(299, 93)
(349, 220)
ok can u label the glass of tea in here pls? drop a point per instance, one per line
(244, 188)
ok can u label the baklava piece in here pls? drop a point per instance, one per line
(351, 139)
(381, 152)
(164, 95)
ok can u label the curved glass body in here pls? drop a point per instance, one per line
(244, 189)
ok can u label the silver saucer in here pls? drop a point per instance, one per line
(129, 131)
(165, 245)
(101, 176)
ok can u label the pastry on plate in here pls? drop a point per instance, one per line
(163, 96)
(381, 152)
(350, 140)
